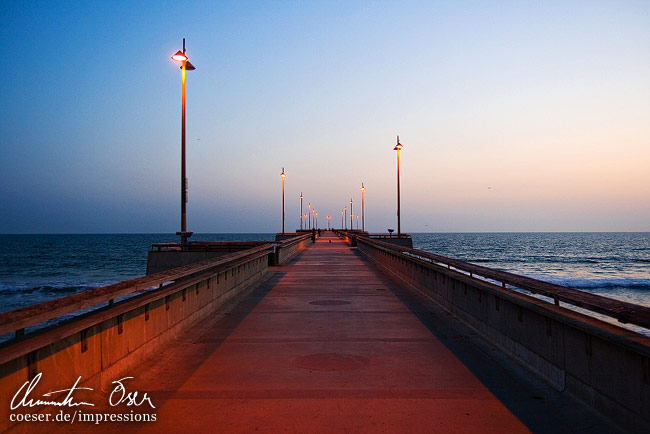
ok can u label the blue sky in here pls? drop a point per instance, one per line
(515, 116)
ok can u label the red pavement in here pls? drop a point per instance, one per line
(329, 349)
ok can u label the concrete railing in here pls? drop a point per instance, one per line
(287, 249)
(350, 236)
(102, 344)
(606, 366)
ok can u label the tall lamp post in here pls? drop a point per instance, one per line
(180, 56)
(351, 225)
(283, 175)
(301, 197)
(328, 222)
(363, 206)
(309, 215)
(341, 219)
(397, 148)
(345, 209)
(357, 221)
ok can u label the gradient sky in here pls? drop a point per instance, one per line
(514, 115)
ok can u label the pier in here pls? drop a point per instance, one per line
(345, 334)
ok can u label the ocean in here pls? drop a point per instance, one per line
(615, 265)
(35, 268)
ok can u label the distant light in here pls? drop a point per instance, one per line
(398, 146)
(283, 174)
(179, 56)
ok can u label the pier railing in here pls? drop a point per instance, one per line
(624, 312)
(18, 320)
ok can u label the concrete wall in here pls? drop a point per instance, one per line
(103, 345)
(402, 241)
(605, 366)
(158, 261)
(289, 248)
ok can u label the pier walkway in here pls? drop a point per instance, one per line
(329, 344)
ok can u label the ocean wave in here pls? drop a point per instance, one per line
(606, 283)
(48, 288)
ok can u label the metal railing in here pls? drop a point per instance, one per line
(624, 312)
(18, 320)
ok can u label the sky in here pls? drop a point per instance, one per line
(514, 115)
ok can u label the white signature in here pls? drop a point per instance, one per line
(118, 396)
(130, 398)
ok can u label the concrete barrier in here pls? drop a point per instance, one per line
(605, 366)
(288, 248)
(104, 344)
(350, 236)
(165, 256)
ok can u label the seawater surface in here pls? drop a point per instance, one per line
(615, 265)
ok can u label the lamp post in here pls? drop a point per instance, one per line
(301, 197)
(316, 219)
(363, 206)
(309, 215)
(351, 225)
(357, 221)
(180, 56)
(328, 222)
(341, 219)
(345, 209)
(283, 175)
(397, 148)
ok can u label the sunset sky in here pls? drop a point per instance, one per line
(514, 115)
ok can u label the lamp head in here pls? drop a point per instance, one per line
(283, 175)
(179, 56)
(398, 146)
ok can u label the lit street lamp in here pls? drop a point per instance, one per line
(345, 208)
(357, 221)
(397, 148)
(363, 206)
(185, 66)
(283, 175)
(351, 226)
(341, 219)
(309, 214)
(328, 222)
(301, 210)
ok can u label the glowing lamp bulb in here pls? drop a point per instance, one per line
(179, 56)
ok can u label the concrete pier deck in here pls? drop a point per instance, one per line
(328, 344)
